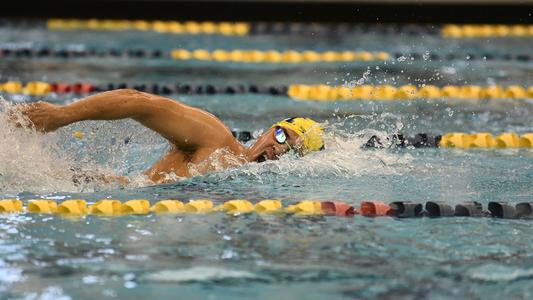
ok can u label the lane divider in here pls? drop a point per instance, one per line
(252, 28)
(486, 140)
(320, 92)
(397, 209)
(341, 29)
(486, 30)
(327, 93)
(258, 56)
(243, 28)
(482, 140)
(281, 28)
(39, 88)
(173, 27)
(274, 56)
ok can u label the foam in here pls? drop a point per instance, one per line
(198, 274)
(33, 162)
(499, 273)
(28, 161)
(343, 156)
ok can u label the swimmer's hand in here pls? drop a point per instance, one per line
(44, 116)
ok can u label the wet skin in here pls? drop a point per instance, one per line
(194, 134)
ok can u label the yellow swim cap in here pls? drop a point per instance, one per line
(308, 130)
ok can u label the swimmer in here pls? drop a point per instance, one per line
(199, 140)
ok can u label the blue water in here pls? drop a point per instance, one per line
(272, 257)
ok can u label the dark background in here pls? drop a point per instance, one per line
(361, 11)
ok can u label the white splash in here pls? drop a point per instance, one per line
(33, 162)
(364, 78)
(499, 273)
(198, 274)
(344, 155)
(28, 161)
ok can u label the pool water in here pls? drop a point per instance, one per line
(219, 256)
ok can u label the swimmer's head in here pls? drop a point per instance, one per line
(309, 132)
(301, 135)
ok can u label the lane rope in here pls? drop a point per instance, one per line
(327, 93)
(274, 56)
(486, 30)
(339, 29)
(302, 92)
(40, 88)
(242, 28)
(397, 209)
(173, 27)
(254, 28)
(461, 140)
(259, 56)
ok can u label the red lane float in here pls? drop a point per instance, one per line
(337, 208)
(77, 88)
(374, 209)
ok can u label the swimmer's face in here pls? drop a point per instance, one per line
(267, 146)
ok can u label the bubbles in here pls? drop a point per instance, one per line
(449, 70)
(198, 274)
(364, 78)
(401, 58)
(90, 279)
(449, 111)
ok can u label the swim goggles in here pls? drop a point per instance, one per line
(281, 136)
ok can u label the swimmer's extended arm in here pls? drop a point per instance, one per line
(185, 126)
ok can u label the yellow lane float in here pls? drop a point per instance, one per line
(168, 206)
(10, 206)
(106, 207)
(73, 207)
